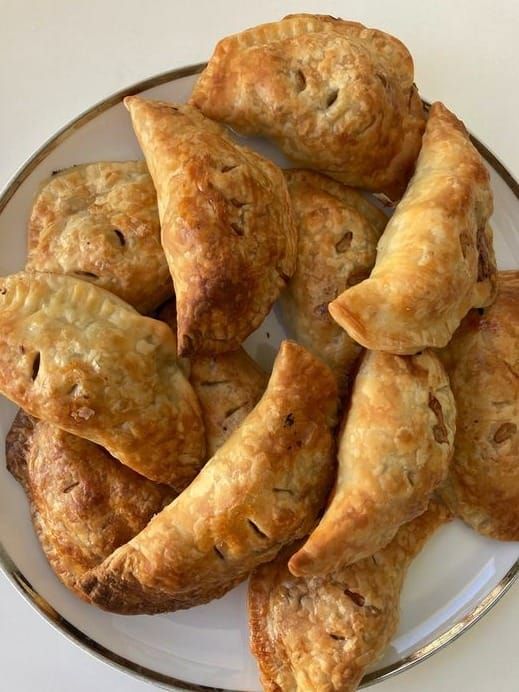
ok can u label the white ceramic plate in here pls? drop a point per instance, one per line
(457, 578)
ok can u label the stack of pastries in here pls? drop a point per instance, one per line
(161, 464)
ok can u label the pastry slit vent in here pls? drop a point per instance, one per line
(237, 229)
(331, 98)
(505, 432)
(282, 490)
(227, 169)
(440, 432)
(483, 258)
(300, 81)
(36, 366)
(88, 275)
(257, 529)
(344, 243)
(120, 236)
(357, 598)
(213, 383)
(237, 203)
(337, 637)
(230, 411)
(382, 79)
(219, 553)
(411, 478)
(70, 487)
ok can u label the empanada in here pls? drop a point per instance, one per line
(77, 356)
(334, 96)
(99, 222)
(338, 230)
(320, 634)
(482, 361)
(264, 488)
(394, 451)
(84, 503)
(227, 385)
(435, 259)
(227, 227)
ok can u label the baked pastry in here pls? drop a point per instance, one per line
(227, 385)
(320, 634)
(227, 227)
(338, 230)
(261, 490)
(435, 259)
(333, 95)
(394, 451)
(99, 222)
(482, 361)
(84, 503)
(77, 356)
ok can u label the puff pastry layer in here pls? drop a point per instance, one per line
(227, 227)
(79, 357)
(394, 451)
(262, 489)
(99, 222)
(338, 230)
(483, 365)
(435, 259)
(334, 96)
(320, 634)
(84, 503)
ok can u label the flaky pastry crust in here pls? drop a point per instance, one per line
(99, 222)
(435, 259)
(79, 357)
(320, 634)
(261, 490)
(482, 361)
(334, 96)
(394, 451)
(227, 227)
(338, 230)
(84, 503)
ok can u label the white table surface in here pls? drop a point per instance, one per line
(58, 57)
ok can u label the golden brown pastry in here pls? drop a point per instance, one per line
(77, 356)
(227, 227)
(394, 451)
(320, 634)
(435, 259)
(228, 386)
(261, 490)
(84, 503)
(99, 222)
(338, 230)
(334, 96)
(482, 361)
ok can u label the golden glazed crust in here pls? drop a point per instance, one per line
(261, 490)
(334, 96)
(79, 357)
(227, 227)
(84, 503)
(320, 634)
(483, 365)
(394, 451)
(338, 230)
(435, 259)
(227, 385)
(99, 222)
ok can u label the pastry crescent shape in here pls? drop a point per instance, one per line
(79, 357)
(228, 386)
(320, 634)
(338, 230)
(333, 95)
(227, 227)
(482, 361)
(264, 488)
(394, 450)
(435, 259)
(84, 503)
(99, 222)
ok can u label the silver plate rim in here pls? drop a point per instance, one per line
(67, 629)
